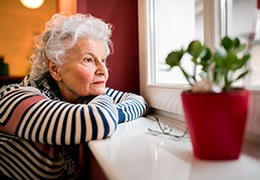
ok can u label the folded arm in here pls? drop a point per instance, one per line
(26, 113)
(130, 106)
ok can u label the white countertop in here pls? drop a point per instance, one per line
(132, 153)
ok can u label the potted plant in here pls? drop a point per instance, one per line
(215, 110)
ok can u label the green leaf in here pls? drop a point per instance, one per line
(206, 60)
(245, 58)
(242, 75)
(232, 62)
(236, 42)
(207, 55)
(236, 63)
(174, 58)
(196, 49)
(227, 43)
(219, 57)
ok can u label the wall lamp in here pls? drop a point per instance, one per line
(32, 4)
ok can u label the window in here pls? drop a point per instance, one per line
(175, 23)
(168, 24)
(163, 26)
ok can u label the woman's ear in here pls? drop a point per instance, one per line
(54, 70)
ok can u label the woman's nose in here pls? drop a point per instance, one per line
(101, 68)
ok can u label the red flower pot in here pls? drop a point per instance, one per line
(216, 123)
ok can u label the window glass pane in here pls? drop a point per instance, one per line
(241, 23)
(243, 12)
(175, 24)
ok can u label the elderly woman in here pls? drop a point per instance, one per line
(63, 102)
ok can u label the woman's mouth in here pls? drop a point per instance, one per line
(99, 82)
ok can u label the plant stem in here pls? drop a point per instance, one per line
(186, 75)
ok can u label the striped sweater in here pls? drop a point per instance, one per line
(33, 127)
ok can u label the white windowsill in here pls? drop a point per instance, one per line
(132, 153)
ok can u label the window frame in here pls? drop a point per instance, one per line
(158, 95)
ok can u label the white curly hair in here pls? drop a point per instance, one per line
(62, 33)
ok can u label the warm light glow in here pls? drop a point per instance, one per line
(32, 4)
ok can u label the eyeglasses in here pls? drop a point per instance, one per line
(167, 130)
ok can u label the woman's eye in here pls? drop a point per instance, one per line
(104, 61)
(90, 60)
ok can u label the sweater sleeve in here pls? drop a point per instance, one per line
(27, 113)
(130, 106)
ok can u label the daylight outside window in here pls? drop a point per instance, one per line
(175, 23)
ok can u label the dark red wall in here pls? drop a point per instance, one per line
(123, 64)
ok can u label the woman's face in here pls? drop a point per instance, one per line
(84, 72)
